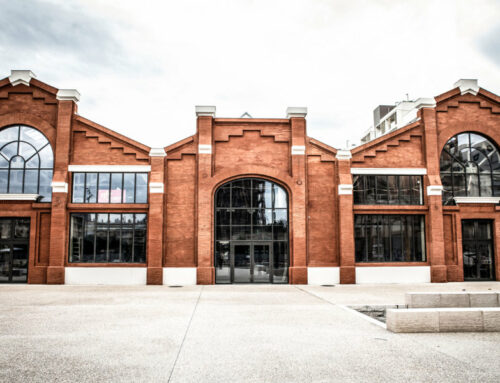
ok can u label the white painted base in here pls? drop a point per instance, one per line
(323, 275)
(389, 274)
(179, 276)
(105, 276)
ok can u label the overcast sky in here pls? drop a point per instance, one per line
(142, 66)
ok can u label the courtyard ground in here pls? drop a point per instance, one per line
(247, 333)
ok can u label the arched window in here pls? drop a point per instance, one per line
(26, 162)
(470, 166)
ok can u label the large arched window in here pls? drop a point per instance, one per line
(26, 162)
(470, 166)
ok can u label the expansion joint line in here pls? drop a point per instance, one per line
(185, 335)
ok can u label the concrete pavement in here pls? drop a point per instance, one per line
(248, 333)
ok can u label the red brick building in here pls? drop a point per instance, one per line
(247, 200)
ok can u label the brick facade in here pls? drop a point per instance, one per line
(183, 183)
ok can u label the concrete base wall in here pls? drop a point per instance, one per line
(105, 276)
(401, 274)
(323, 275)
(179, 276)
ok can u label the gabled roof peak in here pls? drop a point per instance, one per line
(21, 77)
(467, 86)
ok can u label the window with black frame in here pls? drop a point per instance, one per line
(470, 167)
(26, 162)
(387, 189)
(107, 238)
(110, 188)
(389, 238)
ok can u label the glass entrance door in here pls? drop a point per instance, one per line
(14, 249)
(477, 248)
(252, 262)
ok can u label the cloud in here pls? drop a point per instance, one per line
(489, 44)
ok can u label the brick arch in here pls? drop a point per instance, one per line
(48, 130)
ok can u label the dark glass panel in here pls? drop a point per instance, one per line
(102, 228)
(280, 262)
(141, 188)
(140, 238)
(103, 194)
(114, 237)
(91, 188)
(404, 191)
(5, 250)
(223, 217)
(459, 185)
(240, 233)
(370, 190)
(222, 262)
(242, 217)
(241, 263)
(116, 187)
(31, 181)
(262, 216)
(385, 237)
(22, 228)
(280, 232)
(468, 231)
(419, 237)
(223, 197)
(16, 181)
(496, 185)
(89, 238)
(222, 233)
(416, 190)
(262, 194)
(76, 240)
(78, 187)
(485, 185)
(470, 260)
(262, 233)
(382, 191)
(4, 180)
(485, 258)
(358, 189)
(396, 239)
(5, 228)
(472, 183)
(241, 193)
(128, 187)
(127, 238)
(261, 262)
(445, 162)
(360, 238)
(19, 269)
(483, 230)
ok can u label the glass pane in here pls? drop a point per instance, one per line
(463, 153)
(222, 262)
(17, 162)
(128, 187)
(16, 181)
(103, 196)
(10, 150)
(370, 190)
(483, 230)
(114, 237)
(405, 192)
(4, 174)
(242, 217)
(9, 134)
(78, 187)
(223, 197)
(470, 260)
(116, 187)
(472, 185)
(445, 162)
(262, 233)
(33, 136)
(241, 193)
(280, 197)
(396, 239)
(222, 233)
(281, 216)
(33, 162)
(485, 258)
(45, 189)
(262, 194)
(280, 262)
(241, 263)
(382, 190)
(76, 240)
(459, 185)
(261, 265)
(101, 251)
(140, 238)
(89, 238)
(46, 157)
(22, 228)
(262, 216)
(127, 238)
(4, 262)
(31, 181)
(5, 228)
(485, 181)
(26, 150)
(91, 188)
(141, 189)
(240, 233)
(20, 262)
(359, 238)
(280, 232)
(358, 189)
(496, 184)
(223, 217)
(4, 164)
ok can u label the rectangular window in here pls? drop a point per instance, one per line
(387, 190)
(108, 238)
(110, 188)
(389, 238)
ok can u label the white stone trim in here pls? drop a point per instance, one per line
(105, 275)
(296, 111)
(21, 77)
(345, 189)
(393, 274)
(204, 149)
(467, 86)
(156, 187)
(19, 197)
(68, 95)
(343, 154)
(157, 152)
(390, 171)
(298, 150)
(323, 276)
(110, 168)
(434, 190)
(205, 110)
(59, 187)
(425, 103)
(477, 199)
(179, 276)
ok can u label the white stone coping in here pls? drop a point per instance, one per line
(179, 276)
(424, 102)
(110, 168)
(434, 190)
(390, 171)
(68, 95)
(157, 152)
(59, 187)
(156, 187)
(298, 150)
(343, 154)
(205, 110)
(452, 299)
(296, 111)
(393, 274)
(494, 200)
(345, 189)
(318, 276)
(443, 320)
(19, 197)
(467, 86)
(21, 77)
(204, 149)
(105, 275)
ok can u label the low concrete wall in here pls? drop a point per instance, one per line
(443, 320)
(460, 299)
(393, 274)
(105, 276)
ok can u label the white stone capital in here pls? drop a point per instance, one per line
(204, 149)
(296, 111)
(467, 86)
(425, 103)
(68, 95)
(205, 110)
(157, 152)
(156, 187)
(345, 189)
(298, 150)
(434, 190)
(59, 187)
(343, 154)
(21, 77)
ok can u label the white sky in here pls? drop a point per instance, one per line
(142, 66)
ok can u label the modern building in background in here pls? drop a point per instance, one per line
(248, 200)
